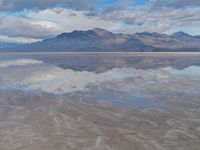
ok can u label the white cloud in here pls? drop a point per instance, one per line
(16, 26)
(17, 5)
(7, 39)
(68, 20)
(151, 18)
(49, 21)
(36, 25)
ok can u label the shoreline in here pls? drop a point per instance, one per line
(155, 54)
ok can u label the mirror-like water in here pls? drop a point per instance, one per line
(99, 102)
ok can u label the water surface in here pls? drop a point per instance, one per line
(102, 101)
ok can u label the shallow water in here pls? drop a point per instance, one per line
(100, 102)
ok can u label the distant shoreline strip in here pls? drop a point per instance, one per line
(153, 54)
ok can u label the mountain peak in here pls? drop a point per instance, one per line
(102, 32)
(180, 33)
(95, 32)
(99, 30)
(151, 34)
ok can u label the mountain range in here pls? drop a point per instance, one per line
(100, 40)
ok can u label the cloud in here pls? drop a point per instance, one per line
(7, 39)
(176, 3)
(37, 25)
(68, 20)
(18, 5)
(46, 18)
(187, 2)
(154, 18)
(14, 26)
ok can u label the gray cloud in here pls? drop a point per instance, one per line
(18, 5)
(24, 27)
(177, 3)
(191, 2)
(48, 23)
(156, 16)
(89, 5)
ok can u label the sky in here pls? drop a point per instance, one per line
(25, 21)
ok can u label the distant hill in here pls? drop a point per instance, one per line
(100, 40)
(5, 45)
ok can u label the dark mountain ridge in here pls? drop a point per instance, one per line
(100, 40)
